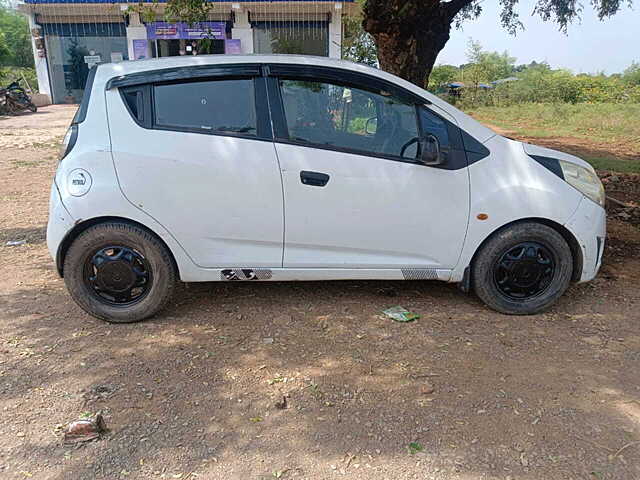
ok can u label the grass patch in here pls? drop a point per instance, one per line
(602, 122)
(604, 134)
(614, 164)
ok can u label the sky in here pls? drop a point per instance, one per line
(590, 45)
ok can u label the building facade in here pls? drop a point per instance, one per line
(70, 36)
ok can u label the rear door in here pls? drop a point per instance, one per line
(197, 155)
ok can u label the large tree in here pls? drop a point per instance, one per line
(409, 34)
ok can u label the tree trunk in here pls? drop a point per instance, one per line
(409, 34)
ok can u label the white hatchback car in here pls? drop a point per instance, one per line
(250, 168)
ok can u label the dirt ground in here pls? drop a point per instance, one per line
(192, 393)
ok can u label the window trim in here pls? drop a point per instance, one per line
(177, 74)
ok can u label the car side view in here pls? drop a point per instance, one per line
(282, 168)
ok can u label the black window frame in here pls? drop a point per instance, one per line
(81, 113)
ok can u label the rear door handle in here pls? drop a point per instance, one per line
(315, 179)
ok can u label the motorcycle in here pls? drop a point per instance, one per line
(14, 99)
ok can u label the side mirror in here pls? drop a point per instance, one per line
(371, 126)
(430, 153)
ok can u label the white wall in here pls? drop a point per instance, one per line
(42, 72)
(335, 32)
(242, 30)
(136, 31)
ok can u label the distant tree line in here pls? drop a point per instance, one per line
(495, 78)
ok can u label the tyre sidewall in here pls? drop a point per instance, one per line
(105, 235)
(499, 244)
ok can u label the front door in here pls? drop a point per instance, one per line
(355, 194)
(197, 156)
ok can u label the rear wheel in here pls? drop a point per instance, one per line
(523, 269)
(119, 272)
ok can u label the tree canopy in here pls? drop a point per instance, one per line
(409, 34)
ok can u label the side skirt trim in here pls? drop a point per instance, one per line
(314, 274)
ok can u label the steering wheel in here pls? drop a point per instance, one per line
(408, 144)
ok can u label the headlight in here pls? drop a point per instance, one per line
(68, 141)
(584, 180)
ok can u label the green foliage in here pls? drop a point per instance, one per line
(357, 45)
(485, 67)
(535, 83)
(9, 74)
(443, 74)
(632, 74)
(15, 38)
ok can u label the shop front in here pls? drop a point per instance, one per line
(70, 36)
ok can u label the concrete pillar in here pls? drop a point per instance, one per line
(136, 31)
(335, 32)
(42, 70)
(242, 30)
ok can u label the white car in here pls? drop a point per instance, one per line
(255, 168)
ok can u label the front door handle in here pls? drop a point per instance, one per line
(315, 179)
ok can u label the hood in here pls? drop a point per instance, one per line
(531, 149)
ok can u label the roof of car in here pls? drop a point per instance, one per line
(135, 66)
(108, 71)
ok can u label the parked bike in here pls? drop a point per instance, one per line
(14, 99)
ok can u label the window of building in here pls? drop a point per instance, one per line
(328, 114)
(214, 106)
(304, 38)
(72, 48)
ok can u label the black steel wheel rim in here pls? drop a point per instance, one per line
(524, 271)
(117, 275)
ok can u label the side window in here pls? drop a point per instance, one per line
(434, 125)
(329, 114)
(134, 99)
(214, 106)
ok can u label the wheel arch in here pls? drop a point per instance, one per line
(66, 242)
(572, 241)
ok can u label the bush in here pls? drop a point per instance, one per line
(553, 86)
(9, 74)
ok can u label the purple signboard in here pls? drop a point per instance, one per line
(180, 30)
(139, 49)
(163, 31)
(232, 46)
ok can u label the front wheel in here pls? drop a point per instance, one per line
(523, 269)
(119, 272)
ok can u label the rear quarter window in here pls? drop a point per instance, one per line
(213, 106)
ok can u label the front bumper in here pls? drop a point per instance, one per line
(589, 226)
(60, 222)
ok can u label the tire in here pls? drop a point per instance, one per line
(102, 263)
(32, 107)
(523, 269)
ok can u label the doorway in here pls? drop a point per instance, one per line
(174, 48)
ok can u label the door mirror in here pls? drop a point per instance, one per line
(371, 126)
(430, 153)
